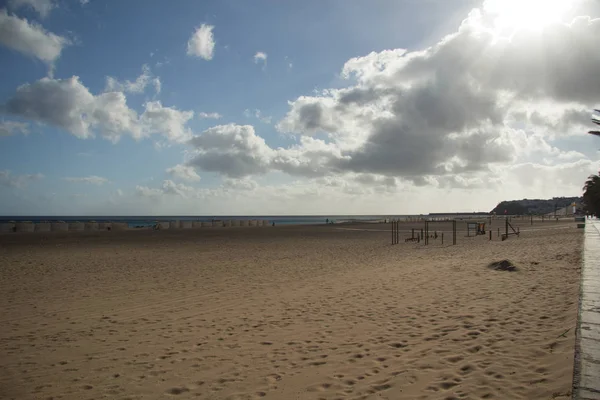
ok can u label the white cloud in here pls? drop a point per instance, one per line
(262, 118)
(8, 128)
(571, 155)
(184, 172)
(68, 104)
(212, 115)
(92, 179)
(30, 39)
(234, 150)
(84, 2)
(167, 121)
(260, 57)
(17, 181)
(202, 43)
(428, 118)
(448, 109)
(137, 86)
(179, 189)
(240, 184)
(258, 115)
(145, 191)
(169, 188)
(42, 7)
(157, 85)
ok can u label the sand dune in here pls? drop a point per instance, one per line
(286, 313)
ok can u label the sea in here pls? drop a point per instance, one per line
(151, 220)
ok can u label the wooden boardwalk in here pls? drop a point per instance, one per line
(586, 378)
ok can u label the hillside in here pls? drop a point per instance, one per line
(537, 206)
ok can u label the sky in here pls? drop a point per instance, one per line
(264, 107)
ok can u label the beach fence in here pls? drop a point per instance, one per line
(120, 226)
(43, 227)
(59, 226)
(396, 233)
(25, 226)
(428, 235)
(76, 226)
(185, 225)
(475, 228)
(6, 227)
(91, 226)
(513, 231)
(162, 225)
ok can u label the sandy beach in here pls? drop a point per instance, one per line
(321, 312)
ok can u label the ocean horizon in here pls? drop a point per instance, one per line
(149, 220)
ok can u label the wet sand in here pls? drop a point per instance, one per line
(322, 312)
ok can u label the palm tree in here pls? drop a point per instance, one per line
(597, 122)
(591, 195)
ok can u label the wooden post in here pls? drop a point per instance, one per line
(498, 232)
(454, 232)
(412, 234)
(442, 237)
(397, 231)
(421, 234)
(392, 232)
(490, 235)
(531, 219)
(506, 230)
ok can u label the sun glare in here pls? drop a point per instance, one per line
(511, 15)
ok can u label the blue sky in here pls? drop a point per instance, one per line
(104, 106)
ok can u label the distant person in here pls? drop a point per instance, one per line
(327, 221)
